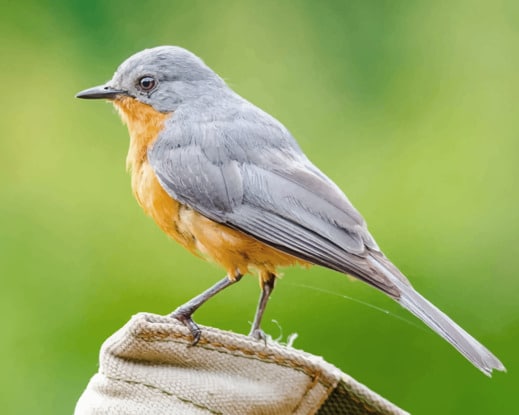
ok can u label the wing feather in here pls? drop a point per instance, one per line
(243, 169)
(291, 206)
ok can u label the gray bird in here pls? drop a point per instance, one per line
(230, 183)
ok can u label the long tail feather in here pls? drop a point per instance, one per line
(467, 345)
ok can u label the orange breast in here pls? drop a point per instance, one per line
(234, 251)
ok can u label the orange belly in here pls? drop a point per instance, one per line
(235, 251)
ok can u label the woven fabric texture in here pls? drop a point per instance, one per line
(149, 367)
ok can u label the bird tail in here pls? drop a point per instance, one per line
(411, 300)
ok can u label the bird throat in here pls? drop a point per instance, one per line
(144, 125)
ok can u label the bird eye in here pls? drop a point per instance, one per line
(146, 83)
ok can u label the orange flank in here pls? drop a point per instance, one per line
(235, 251)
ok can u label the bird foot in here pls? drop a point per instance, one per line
(258, 334)
(184, 316)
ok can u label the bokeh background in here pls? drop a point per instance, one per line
(411, 107)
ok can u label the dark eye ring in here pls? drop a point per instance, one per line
(146, 83)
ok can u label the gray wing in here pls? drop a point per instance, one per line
(246, 171)
(252, 176)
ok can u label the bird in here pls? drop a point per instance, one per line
(230, 183)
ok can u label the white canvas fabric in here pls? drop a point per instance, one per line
(149, 367)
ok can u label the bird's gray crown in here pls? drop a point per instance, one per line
(179, 76)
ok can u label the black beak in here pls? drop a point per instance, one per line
(100, 92)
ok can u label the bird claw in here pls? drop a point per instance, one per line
(258, 334)
(184, 317)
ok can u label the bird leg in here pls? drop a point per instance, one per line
(266, 289)
(185, 311)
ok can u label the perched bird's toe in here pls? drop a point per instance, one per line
(258, 334)
(185, 318)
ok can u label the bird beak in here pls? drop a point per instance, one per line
(100, 92)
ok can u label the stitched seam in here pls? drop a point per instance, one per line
(248, 354)
(164, 392)
(329, 391)
(310, 386)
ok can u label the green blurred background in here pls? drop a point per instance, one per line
(411, 107)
